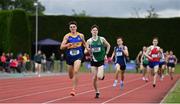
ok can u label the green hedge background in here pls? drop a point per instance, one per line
(17, 31)
(136, 32)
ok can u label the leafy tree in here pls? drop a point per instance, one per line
(4, 4)
(27, 5)
(80, 14)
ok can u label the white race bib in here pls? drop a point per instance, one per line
(119, 54)
(96, 49)
(154, 55)
(74, 52)
(171, 61)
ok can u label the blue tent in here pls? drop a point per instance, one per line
(48, 41)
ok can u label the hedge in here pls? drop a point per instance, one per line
(136, 32)
(15, 31)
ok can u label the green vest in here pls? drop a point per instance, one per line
(98, 50)
(145, 60)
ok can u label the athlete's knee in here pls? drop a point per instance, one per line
(100, 75)
(75, 71)
(70, 75)
(95, 78)
(118, 70)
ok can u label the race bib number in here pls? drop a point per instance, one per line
(74, 52)
(171, 61)
(119, 54)
(96, 49)
(154, 55)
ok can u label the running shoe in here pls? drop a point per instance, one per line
(72, 93)
(121, 85)
(115, 83)
(97, 95)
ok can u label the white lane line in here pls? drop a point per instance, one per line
(11, 98)
(125, 93)
(51, 101)
(31, 88)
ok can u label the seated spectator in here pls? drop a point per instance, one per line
(14, 65)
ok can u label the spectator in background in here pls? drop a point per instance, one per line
(44, 62)
(52, 59)
(28, 63)
(8, 58)
(14, 65)
(24, 61)
(3, 61)
(20, 60)
(38, 58)
(61, 62)
(11, 56)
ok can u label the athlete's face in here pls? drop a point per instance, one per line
(39, 52)
(161, 50)
(144, 48)
(73, 28)
(94, 31)
(155, 42)
(167, 52)
(171, 52)
(119, 41)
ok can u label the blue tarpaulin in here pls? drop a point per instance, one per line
(48, 41)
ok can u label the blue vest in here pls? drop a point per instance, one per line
(120, 58)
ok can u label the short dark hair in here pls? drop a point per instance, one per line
(94, 26)
(155, 38)
(120, 38)
(73, 22)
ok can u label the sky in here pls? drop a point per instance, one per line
(113, 8)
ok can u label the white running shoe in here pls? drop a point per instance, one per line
(143, 78)
(115, 83)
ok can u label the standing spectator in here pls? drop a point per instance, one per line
(3, 61)
(52, 59)
(11, 56)
(20, 61)
(38, 58)
(28, 63)
(44, 62)
(61, 62)
(24, 61)
(8, 58)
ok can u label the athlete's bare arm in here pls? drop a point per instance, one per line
(137, 58)
(107, 45)
(176, 59)
(147, 53)
(64, 43)
(125, 51)
(113, 54)
(85, 43)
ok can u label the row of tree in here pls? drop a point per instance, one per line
(27, 5)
